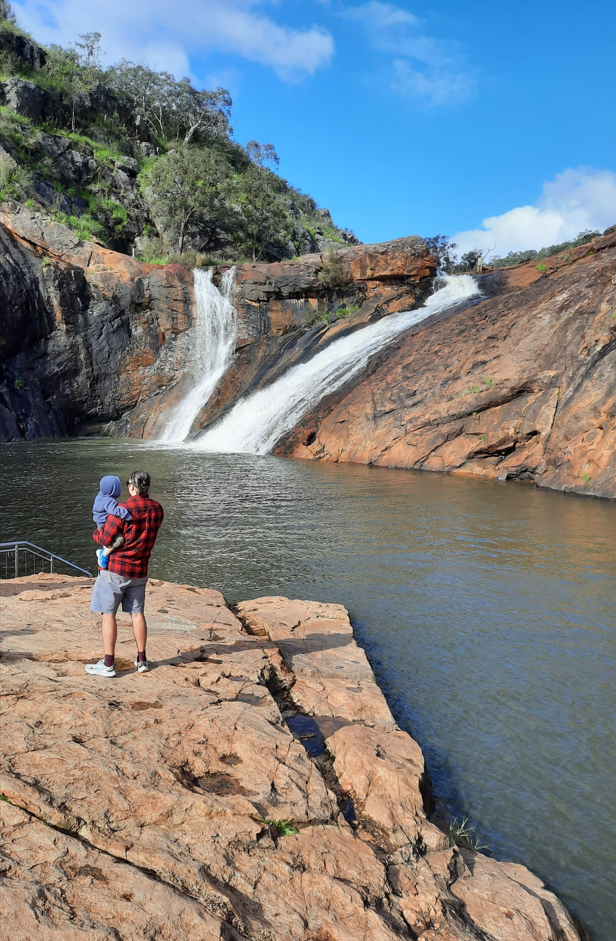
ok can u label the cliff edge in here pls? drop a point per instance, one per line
(180, 804)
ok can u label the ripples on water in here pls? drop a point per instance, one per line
(487, 610)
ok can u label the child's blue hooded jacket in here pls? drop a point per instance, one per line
(106, 503)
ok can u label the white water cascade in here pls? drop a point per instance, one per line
(214, 335)
(256, 423)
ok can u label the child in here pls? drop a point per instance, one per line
(105, 505)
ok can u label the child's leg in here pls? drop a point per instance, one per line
(117, 542)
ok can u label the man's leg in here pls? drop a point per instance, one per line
(134, 604)
(110, 634)
(106, 598)
(140, 630)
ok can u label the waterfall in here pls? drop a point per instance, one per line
(257, 422)
(213, 335)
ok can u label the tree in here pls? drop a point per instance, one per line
(76, 70)
(443, 251)
(263, 219)
(152, 93)
(262, 153)
(187, 185)
(89, 57)
(6, 12)
(475, 259)
(172, 109)
(202, 112)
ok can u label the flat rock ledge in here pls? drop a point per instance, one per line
(151, 806)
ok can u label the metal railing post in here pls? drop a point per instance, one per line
(51, 566)
(16, 560)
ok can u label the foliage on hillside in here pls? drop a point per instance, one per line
(443, 250)
(140, 160)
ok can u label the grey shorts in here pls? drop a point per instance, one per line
(110, 590)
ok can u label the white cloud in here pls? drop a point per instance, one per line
(575, 200)
(381, 15)
(422, 68)
(164, 35)
(437, 86)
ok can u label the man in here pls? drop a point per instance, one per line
(124, 580)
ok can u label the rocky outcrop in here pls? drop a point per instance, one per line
(520, 385)
(15, 45)
(181, 804)
(85, 333)
(97, 342)
(286, 313)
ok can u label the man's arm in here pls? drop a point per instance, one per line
(111, 529)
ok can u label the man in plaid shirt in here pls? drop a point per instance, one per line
(124, 580)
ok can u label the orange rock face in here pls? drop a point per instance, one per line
(151, 805)
(101, 343)
(520, 385)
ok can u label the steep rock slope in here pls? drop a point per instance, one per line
(95, 341)
(152, 806)
(520, 385)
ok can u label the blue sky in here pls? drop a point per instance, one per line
(399, 118)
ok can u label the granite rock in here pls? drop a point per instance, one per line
(150, 805)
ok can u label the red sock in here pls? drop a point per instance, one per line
(141, 656)
(109, 660)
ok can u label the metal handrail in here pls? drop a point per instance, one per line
(15, 545)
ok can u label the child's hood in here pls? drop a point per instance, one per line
(110, 487)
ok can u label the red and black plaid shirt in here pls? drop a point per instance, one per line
(131, 559)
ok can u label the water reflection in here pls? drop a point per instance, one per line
(487, 610)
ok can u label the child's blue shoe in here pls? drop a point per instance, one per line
(103, 560)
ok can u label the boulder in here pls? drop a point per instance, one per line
(19, 46)
(28, 99)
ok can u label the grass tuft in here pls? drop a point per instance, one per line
(284, 827)
(463, 834)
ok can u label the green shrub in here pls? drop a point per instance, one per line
(517, 258)
(334, 274)
(284, 827)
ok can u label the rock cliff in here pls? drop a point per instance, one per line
(253, 785)
(94, 341)
(519, 385)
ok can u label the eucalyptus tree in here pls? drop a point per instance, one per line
(262, 217)
(188, 186)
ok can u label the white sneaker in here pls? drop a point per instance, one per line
(99, 669)
(142, 666)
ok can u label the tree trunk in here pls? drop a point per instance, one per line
(190, 132)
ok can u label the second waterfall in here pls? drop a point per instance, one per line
(214, 335)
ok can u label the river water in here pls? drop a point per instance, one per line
(488, 611)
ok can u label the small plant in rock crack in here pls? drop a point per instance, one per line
(472, 390)
(463, 834)
(586, 478)
(483, 437)
(284, 827)
(489, 383)
(541, 268)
